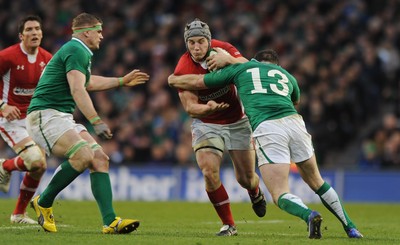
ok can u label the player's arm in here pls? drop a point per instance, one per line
(133, 78)
(192, 106)
(9, 112)
(222, 59)
(76, 81)
(296, 91)
(187, 82)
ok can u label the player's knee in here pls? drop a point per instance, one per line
(244, 182)
(211, 176)
(246, 179)
(34, 159)
(101, 160)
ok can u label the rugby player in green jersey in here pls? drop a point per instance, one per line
(268, 93)
(64, 85)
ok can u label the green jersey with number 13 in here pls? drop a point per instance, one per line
(267, 91)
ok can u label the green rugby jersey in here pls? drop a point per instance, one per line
(267, 91)
(53, 91)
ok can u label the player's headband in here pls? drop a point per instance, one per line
(83, 29)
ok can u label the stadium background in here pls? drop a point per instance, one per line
(345, 55)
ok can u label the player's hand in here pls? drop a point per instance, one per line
(218, 60)
(11, 112)
(102, 130)
(134, 78)
(214, 106)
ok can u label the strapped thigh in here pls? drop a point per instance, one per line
(215, 145)
(75, 148)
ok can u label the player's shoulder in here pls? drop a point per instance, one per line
(185, 57)
(11, 50)
(185, 63)
(216, 43)
(44, 52)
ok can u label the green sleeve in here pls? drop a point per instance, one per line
(75, 59)
(296, 90)
(220, 77)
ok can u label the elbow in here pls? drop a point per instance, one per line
(171, 81)
(189, 110)
(192, 115)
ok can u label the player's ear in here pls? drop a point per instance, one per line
(20, 36)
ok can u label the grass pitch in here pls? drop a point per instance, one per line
(79, 222)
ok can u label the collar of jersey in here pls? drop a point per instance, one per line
(83, 44)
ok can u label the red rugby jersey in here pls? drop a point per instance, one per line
(227, 94)
(19, 74)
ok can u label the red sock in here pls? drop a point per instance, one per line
(13, 164)
(219, 198)
(254, 192)
(27, 190)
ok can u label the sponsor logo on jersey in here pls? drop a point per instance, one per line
(23, 91)
(216, 94)
(20, 67)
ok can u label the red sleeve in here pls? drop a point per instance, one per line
(4, 62)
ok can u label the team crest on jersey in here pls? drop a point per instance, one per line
(42, 65)
(20, 67)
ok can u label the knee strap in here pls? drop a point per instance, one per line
(75, 148)
(215, 145)
(30, 153)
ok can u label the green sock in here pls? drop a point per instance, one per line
(294, 206)
(102, 192)
(331, 201)
(62, 177)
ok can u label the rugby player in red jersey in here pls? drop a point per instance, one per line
(20, 68)
(219, 123)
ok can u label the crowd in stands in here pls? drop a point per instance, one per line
(344, 54)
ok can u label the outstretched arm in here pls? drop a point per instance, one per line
(133, 78)
(187, 82)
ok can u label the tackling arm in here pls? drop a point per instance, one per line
(187, 82)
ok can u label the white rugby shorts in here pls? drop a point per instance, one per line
(233, 136)
(47, 126)
(283, 140)
(14, 131)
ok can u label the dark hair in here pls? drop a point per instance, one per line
(268, 55)
(21, 25)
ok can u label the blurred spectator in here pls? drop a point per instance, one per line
(345, 55)
(381, 150)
